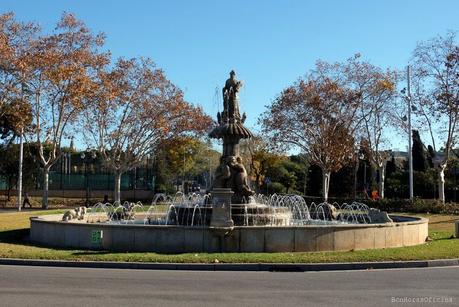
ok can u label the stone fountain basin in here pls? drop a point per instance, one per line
(49, 230)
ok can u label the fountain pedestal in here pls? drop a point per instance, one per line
(221, 208)
(231, 172)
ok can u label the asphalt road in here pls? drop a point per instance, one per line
(49, 286)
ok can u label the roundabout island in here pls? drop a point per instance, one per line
(230, 217)
(50, 230)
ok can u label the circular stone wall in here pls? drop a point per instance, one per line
(51, 231)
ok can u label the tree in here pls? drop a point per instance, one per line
(318, 115)
(15, 38)
(301, 170)
(436, 96)
(9, 166)
(59, 77)
(134, 110)
(289, 178)
(419, 153)
(189, 157)
(261, 159)
(375, 92)
(205, 161)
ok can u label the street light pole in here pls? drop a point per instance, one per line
(21, 155)
(410, 151)
(21, 158)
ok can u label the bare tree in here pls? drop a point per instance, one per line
(436, 96)
(134, 110)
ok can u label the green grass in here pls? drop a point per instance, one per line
(14, 228)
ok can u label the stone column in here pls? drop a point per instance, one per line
(221, 208)
(230, 146)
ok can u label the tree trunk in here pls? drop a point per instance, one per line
(382, 178)
(118, 187)
(44, 203)
(325, 184)
(441, 184)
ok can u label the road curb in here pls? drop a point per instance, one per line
(267, 267)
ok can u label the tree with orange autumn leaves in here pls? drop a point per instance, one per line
(133, 111)
(315, 115)
(54, 82)
(15, 38)
(327, 112)
(62, 76)
(55, 76)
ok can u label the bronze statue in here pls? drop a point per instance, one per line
(222, 174)
(230, 96)
(239, 178)
(231, 172)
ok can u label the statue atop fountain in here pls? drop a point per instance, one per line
(231, 98)
(231, 173)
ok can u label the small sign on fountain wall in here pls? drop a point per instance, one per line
(96, 237)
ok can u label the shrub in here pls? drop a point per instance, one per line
(418, 205)
(276, 188)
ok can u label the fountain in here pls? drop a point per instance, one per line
(231, 217)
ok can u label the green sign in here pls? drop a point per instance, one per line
(96, 236)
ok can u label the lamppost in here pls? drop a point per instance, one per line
(21, 158)
(410, 153)
(87, 156)
(410, 108)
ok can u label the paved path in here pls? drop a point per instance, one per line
(48, 286)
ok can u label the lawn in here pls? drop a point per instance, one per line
(14, 229)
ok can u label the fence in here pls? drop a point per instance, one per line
(74, 171)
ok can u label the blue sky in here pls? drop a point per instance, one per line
(269, 43)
